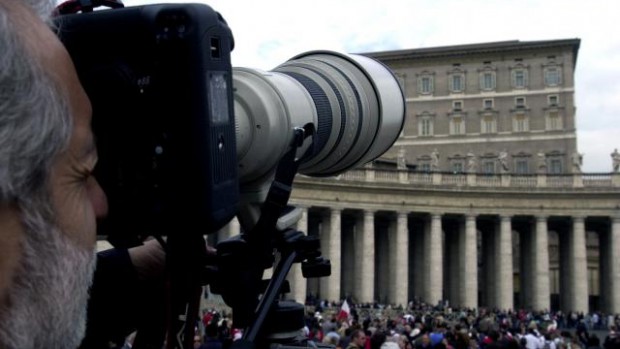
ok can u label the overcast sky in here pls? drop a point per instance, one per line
(269, 32)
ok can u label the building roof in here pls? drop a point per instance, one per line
(471, 49)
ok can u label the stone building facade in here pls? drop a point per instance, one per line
(504, 106)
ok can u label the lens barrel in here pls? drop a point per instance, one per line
(355, 103)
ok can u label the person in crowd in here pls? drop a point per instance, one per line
(358, 339)
(438, 334)
(533, 339)
(612, 340)
(377, 339)
(424, 342)
(593, 342)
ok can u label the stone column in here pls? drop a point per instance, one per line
(469, 263)
(296, 279)
(402, 260)
(434, 261)
(541, 299)
(614, 268)
(504, 283)
(335, 255)
(368, 258)
(579, 270)
(565, 267)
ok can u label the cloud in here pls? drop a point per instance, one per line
(597, 146)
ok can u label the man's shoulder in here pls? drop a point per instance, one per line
(352, 346)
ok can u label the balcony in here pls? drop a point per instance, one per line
(589, 181)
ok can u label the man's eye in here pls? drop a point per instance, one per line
(86, 175)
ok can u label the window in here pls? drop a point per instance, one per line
(456, 79)
(457, 105)
(520, 102)
(487, 104)
(487, 81)
(554, 121)
(457, 83)
(457, 126)
(488, 167)
(425, 83)
(519, 76)
(522, 166)
(519, 79)
(425, 126)
(425, 167)
(553, 100)
(555, 166)
(552, 76)
(457, 166)
(488, 124)
(520, 123)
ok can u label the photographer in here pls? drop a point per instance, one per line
(49, 201)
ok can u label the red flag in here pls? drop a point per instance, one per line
(345, 311)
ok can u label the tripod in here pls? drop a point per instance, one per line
(243, 258)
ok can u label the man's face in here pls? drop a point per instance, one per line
(77, 197)
(47, 298)
(360, 340)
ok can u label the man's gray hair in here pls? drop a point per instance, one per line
(35, 121)
(43, 8)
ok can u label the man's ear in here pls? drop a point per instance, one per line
(11, 234)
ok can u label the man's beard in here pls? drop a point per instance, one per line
(47, 301)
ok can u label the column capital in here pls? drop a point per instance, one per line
(402, 214)
(335, 210)
(505, 217)
(469, 218)
(541, 218)
(578, 218)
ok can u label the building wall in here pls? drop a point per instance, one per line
(469, 107)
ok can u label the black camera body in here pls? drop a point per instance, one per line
(159, 78)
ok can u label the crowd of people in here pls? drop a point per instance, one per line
(420, 326)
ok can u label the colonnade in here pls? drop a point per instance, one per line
(466, 259)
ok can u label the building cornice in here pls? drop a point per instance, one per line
(473, 49)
